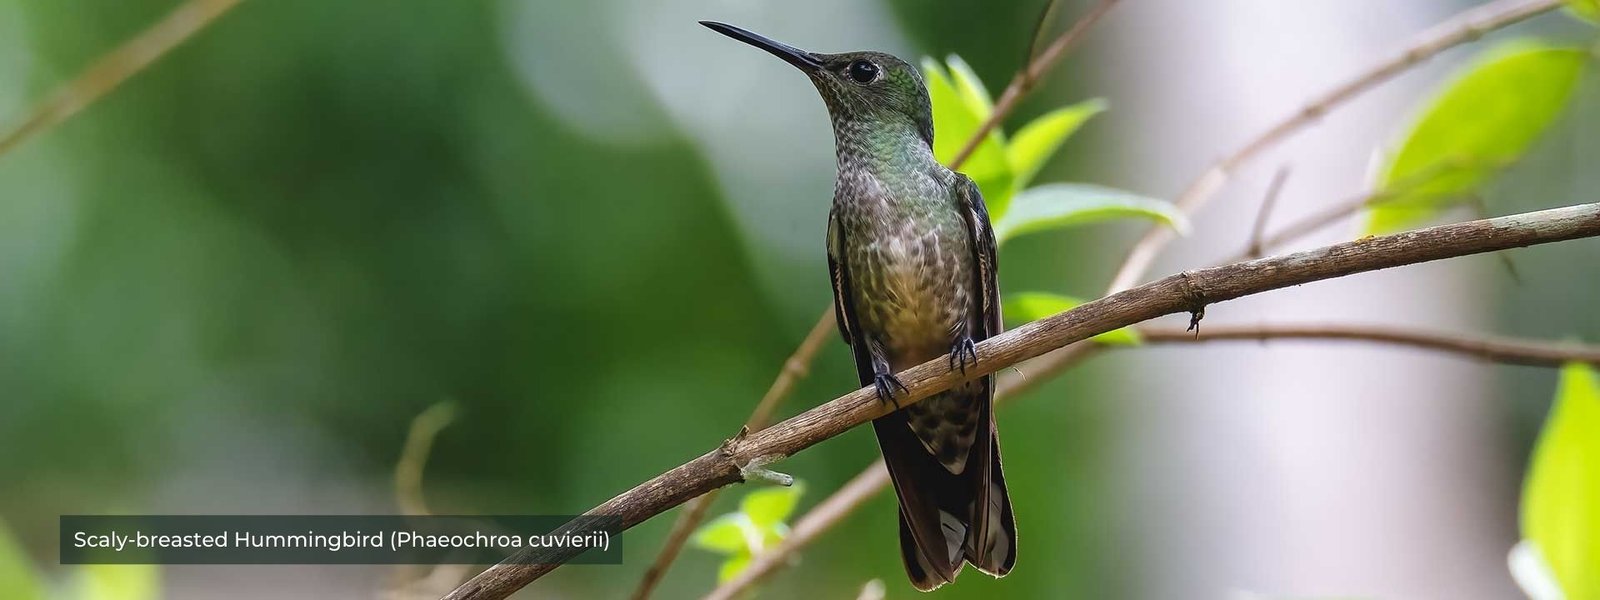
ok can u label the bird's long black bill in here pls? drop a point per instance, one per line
(806, 61)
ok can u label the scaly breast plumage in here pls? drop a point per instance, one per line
(913, 289)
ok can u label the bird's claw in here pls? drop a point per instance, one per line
(963, 350)
(885, 384)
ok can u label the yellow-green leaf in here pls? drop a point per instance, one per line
(1489, 116)
(119, 582)
(1585, 9)
(1056, 205)
(954, 122)
(732, 567)
(726, 534)
(17, 577)
(970, 86)
(1561, 498)
(769, 506)
(1037, 141)
(1023, 307)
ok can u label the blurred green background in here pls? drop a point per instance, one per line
(229, 286)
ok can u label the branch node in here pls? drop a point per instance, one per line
(726, 448)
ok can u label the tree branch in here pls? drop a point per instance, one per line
(1466, 27)
(1184, 292)
(1264, 214)
(116, 67)
(1025, 79)
(875, 479)
(1489, 348)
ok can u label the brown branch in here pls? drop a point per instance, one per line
(1179, 293)
(793, 371)
(1020, 85)
(1391, 192)
(115, 67)
(875, 479)
(1466, 27)
(1259, 230)
(1028, 76)
(1489, 348)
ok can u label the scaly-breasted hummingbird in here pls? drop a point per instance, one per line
(912, 258)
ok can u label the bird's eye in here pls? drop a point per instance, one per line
(863, 71)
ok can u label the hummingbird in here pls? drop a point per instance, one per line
(911, 257)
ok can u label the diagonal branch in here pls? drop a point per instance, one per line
(116, 67)
(1463, 28)
(875, 479)
(1184, 292)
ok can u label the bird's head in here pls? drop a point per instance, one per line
(860, 88)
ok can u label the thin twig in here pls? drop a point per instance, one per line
(1025, 79)
(1265, 214)
(414, 456)
(1179, 293)
(417, 581)
(1039, 26)
(1466, 27)
(875, 479)
(115, 67)
(793, 371)
(1507, 350)
(1392, 192)
(1019, 87)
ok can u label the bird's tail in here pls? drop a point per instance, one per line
(945, 517)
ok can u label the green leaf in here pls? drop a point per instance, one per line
(955, 120)
(1487, 118)
(119, 582)
(1023, 307)
(1056, 205)
(17, 578)
(769, 506)
(1561, 498)
(1037, 141)
(973, 93)
(733, 566)
(1585, 9)
(726, 534)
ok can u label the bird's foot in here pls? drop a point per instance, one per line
(885, 384)
(962, 351)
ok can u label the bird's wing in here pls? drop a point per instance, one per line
(991, 543)
(983, 249)
(843, 308)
